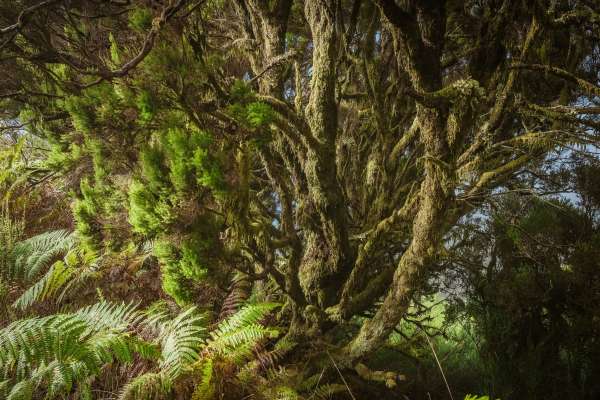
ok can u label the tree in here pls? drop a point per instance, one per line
(327, 146)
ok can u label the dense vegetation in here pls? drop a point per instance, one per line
(299, 199)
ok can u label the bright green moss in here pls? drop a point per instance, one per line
(146, 106)
(240, 92)
(140, 19)
(259, 114)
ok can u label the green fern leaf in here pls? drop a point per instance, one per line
(31, 255)
(181, 342)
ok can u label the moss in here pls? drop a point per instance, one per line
(259, 114)
(140, 19)
(146, 106)
(240, 92)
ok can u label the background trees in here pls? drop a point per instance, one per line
(333, 156)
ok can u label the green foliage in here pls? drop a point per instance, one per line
(475, 397)
(205, 390)
(63, 157)
(259, 114)
(148, 386)
(61, 278)
(178, 166)
(11, 167)
(253, 115)
(180, 341)
(526, 304)
(114, 50)
(292, 171)
(148, 213)
(86, 210)
(61, 352)
(146, 107)
(81, 112)
(27, 258)
(56, 278)
(64, 350)
(140, 19)
(235, 337)
(175, 170)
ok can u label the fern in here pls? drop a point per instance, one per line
(268, 359)
(285, 393)
(236, 336)
(147, 386)
(60, 350)
(326, 391)
(238, 293)
(180, 340)
(56, 277)
(205, 390)
(61, 278)
(30, 256)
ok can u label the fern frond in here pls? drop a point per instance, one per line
(21, 391)
(148, 386)
(205, 389)
(59, 351)
(226, 343)
(326, 391)
(181, 340)
(156, 317)
(283, 393)
(268, 359)
(105, 315)
(236, 337)
(31, 255)
(249, 314)
(56, 277)
(239, 291)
